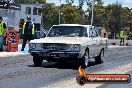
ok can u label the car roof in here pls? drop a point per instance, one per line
(73, 25)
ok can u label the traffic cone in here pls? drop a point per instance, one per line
(9, 46)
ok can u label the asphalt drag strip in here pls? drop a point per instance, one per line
(19, 72)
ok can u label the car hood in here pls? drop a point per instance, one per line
(65, 40)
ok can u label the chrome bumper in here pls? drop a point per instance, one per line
(56, 54)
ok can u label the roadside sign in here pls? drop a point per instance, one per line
(6, 5)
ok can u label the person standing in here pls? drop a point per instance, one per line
(28, 32)
(2, 32)
(122, 37)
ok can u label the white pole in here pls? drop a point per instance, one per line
(92, 12)
(59, 12)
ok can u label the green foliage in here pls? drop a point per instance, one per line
(114, 16)
(50, 15)
(69, 14)
(99, 12)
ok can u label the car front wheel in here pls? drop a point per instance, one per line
(37, 61)
(98, 59)
(85, 59)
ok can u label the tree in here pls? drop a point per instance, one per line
(113, 14)
(130, 19)
(70, 14)
(50, 15)
(99, 15)
(125, 16)
(98, 12)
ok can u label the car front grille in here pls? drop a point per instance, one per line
(55, 46)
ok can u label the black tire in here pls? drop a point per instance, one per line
(37, 61)
(98, 59)
(80, 80)
(85, 59)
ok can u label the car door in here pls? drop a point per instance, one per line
(93, 44)
(96, 42)
(97, 39)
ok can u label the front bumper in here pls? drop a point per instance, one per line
(56, 54)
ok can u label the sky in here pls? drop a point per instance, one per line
(125, 3)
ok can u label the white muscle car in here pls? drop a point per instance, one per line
(69, 42)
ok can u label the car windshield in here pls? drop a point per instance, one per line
(67, 31)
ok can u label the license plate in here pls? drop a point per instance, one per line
(45, 54)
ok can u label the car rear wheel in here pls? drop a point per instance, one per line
(37, 61)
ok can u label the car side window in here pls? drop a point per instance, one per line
(90, 33)
(93, 33)
(97, 32)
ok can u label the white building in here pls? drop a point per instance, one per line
(20, 11)
(32, 10)
(8, 12)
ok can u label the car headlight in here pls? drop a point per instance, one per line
(39, 45)
(32, 46)
(74, 47)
